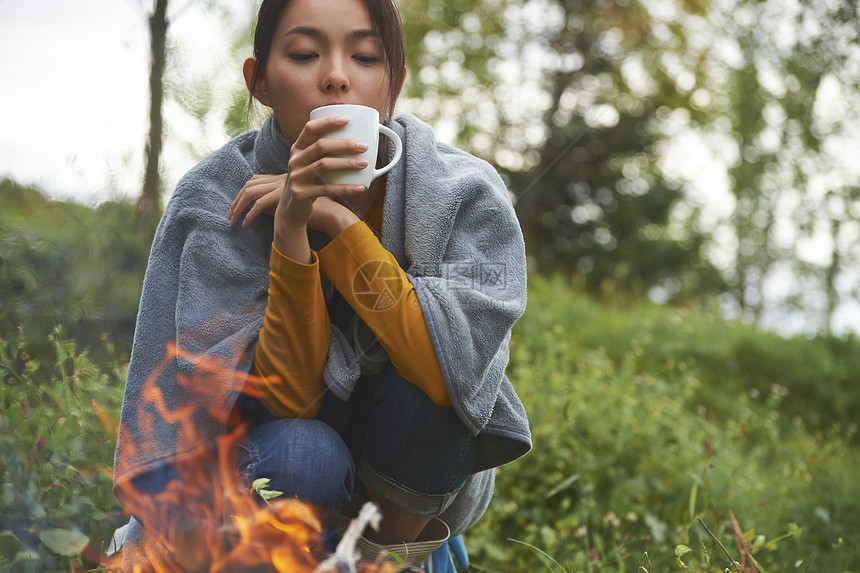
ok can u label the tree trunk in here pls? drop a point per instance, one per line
(149, 206)
(832, 272)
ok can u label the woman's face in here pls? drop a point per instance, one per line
(324, 52)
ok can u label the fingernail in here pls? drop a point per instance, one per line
(358, 188)
(362, 163)
(362, 147)
(342, 119)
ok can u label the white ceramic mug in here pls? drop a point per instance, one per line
(363, 126)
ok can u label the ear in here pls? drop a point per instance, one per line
(258, 89)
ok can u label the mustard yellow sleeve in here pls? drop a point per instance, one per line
(372, 282)
(294, 340)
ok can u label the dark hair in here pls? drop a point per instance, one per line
(384, 18)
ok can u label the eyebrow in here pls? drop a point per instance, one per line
(317, 33)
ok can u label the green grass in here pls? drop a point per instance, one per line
(57, 437)
(650, 423)
(637, 435)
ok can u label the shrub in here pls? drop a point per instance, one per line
(628, 455)
(816, 376)
(57, 438)
(66, 264)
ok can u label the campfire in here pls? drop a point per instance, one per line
(205, 519)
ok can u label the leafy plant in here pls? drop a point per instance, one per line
(57, 438)
(630, 451)
(261, 488)
(65, 264)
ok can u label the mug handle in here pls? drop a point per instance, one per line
(398, 150)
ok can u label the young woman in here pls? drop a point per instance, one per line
(375, 320)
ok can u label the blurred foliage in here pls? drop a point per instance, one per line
(605, 116)
(66, 265)
(580, 150)
(815, 378)
(70, 279)
(636, 436)
(58, 422)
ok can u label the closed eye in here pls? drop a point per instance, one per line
(367, 59)
(303, 57)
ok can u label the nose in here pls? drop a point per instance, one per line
(335, 77)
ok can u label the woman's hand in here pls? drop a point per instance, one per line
(311, 157)
(264, 191)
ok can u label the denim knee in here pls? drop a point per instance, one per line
(306, 459)
(415, 453)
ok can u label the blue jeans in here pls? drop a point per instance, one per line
(389, 435)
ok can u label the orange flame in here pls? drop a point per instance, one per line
(205, 519)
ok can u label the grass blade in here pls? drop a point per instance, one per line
(544, 553)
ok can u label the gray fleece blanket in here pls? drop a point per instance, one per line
(447, 219)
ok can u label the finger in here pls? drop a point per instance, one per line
(235, 212)
(264, 185)
(314, 140)
(265, 181)
(315, 128)
(251, 215)
(327, 146)
(256, 189)
(265, 204)
(243, 201)
(318, 190)
(250, 184)
(233, 206)
(323, 148)
(308, 181)
(240, 202)
(330, 164)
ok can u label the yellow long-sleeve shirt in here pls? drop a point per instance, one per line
(294, 340)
